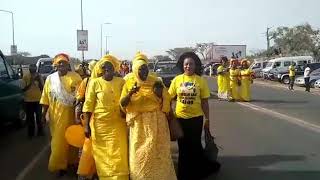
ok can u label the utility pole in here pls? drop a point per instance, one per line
(268, 39)
(82, 28)
(107, 51)
(13, 47)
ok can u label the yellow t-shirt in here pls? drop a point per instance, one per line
(33, 94)
(292, 71)
(189, 91)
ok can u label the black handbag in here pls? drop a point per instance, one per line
(211, 149)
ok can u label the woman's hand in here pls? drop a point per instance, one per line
(134, 89)
(157, 89)
(206, 125)
(87, 131)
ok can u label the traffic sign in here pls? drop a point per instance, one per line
(82, 40)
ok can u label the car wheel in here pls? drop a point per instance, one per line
(286, 80)
(21, 120)
(312, 83)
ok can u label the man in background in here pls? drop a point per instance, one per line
(32, 87)
(306, 76)
(292, 74)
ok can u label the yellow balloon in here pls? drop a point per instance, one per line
(75, 135)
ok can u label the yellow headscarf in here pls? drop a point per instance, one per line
(60, 57)
(139, 60)
(97, 70)
(92, 64)
(245, 61)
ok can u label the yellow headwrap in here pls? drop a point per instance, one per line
(140, 56)
(245, 61)
(60, 57)
(139, 60)
(92, 64)
(97, 70)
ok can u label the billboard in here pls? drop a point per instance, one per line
(82, 40)
(217, 51)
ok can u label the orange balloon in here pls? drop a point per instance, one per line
(75, 135)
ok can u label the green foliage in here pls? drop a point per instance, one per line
(297, 40)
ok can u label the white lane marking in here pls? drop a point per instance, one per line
(290, 119)
(32, 163)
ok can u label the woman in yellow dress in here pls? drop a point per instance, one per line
(234, 80)
(58, 98)
(146, 108)
(104, 122)
(246, 81)
(86, 168)
(223, 80)
(192, 111)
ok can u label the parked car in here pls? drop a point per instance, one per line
(44, 67)
(283, 63)
(11, 95)
(206, 68)
(166, 70)
(284, 76)
(317, 84)
(257, 67)
(314, 76)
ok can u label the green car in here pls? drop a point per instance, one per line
(11, 95)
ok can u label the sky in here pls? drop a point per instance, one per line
(151, 26)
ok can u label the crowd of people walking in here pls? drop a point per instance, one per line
(124, 117)
(234, 80)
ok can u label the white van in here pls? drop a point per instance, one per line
(283, 63)
(44, 66)
(257, 66)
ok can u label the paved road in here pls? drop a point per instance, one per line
(274, 137)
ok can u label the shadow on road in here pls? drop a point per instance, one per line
(278, 101)
(251, 168)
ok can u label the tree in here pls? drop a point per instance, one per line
(162, 58)
(203, 49)
(298, 40)
(176, 52)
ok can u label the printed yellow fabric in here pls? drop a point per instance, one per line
(149, 147)
(60, 117)
(292, 71)
(245, 88)
(108, 129)
(33, 94)
(149, 138)
(189, 91)
(86, 163)
(234, 79)
(223, 83)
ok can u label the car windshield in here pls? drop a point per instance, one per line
(45, 69)
(167, 68)
(269, 64)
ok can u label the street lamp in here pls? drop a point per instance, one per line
(101, 26)
(13, 45)
(107, 52)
